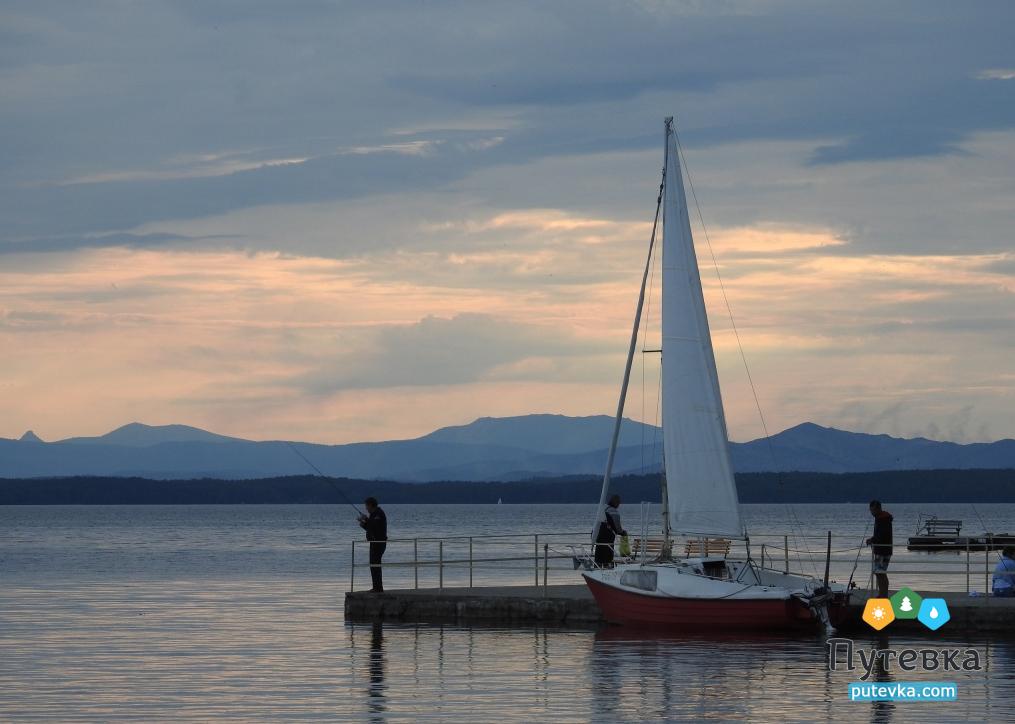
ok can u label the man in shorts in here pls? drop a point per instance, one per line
(881, 545)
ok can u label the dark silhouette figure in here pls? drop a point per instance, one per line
(881, 545)
(375, 523)
(609, 528)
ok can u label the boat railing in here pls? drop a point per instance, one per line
(553, 558)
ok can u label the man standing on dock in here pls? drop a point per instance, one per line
(375, 523)
(881, 545)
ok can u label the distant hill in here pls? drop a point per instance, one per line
(489, 449)
(137, 435)
(812, 448)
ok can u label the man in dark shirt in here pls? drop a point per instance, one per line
(609, 528)
(881, 545)
(375, 523)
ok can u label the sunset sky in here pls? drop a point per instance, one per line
(338, 222)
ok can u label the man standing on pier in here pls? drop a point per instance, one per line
(375, 523)
(881, 545)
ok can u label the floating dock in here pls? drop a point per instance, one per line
(573, 605)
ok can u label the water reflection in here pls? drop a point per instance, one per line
(882, 711)
(619, 674)
(645, 674)
(375, 692)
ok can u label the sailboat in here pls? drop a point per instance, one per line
(700, 501)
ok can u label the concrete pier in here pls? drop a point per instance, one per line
(556, 605)
(573, 605)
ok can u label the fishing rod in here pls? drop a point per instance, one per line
(857, 561)
(326, 478)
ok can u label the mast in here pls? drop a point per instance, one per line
(630, 354)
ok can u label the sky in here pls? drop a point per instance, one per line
(342, 221)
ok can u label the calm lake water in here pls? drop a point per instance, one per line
(235, 612)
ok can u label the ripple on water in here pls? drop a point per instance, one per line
(242, 650)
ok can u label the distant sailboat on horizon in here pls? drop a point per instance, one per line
(705, 589)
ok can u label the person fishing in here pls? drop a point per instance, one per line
(375, 523)
(1004, 574)
(609, 528)
(881, 545)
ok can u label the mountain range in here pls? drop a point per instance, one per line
(489, 449)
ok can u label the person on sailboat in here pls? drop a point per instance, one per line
(375, 523)
(1004, 573)
(609, 528)
(881, 545)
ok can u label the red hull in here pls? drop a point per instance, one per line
(637, 609)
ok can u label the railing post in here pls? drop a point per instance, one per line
(986, 569)
(546, 564)
(762, 556)
(415, 561)
(785, 550)
(967, 566)
(535, 558)
(440, 564)
(352, 568)
(470, 561)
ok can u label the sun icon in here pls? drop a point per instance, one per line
(878, 613)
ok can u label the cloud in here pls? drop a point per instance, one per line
(88, 101)
(97, 206)
(71, 243)
(996, 74)
(459, 350)
(889, 143)
(249, 203)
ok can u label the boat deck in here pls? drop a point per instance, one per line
(573, 605)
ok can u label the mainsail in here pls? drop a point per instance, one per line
(699, 475)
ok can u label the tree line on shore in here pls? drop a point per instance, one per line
(905, 486)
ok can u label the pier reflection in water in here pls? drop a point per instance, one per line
(617, 674)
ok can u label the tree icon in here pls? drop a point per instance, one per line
(906, 603)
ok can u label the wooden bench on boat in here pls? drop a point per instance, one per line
(653, 547)
(707, 547)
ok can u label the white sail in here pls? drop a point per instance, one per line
(699, 475)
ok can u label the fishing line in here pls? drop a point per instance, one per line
(987, 538)
(325, 477)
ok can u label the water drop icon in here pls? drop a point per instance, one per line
(934, 613)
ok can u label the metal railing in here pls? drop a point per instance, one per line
(538, 559)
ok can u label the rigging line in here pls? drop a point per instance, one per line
(326, 478)
(736, 334)
(644, 329)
